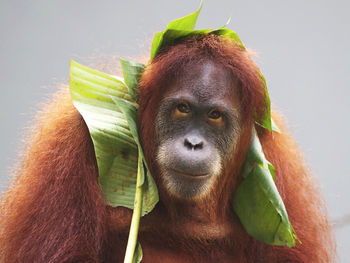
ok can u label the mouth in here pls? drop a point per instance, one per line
(194, 175)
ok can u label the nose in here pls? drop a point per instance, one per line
(193, 142)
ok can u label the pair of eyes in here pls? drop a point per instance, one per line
(184, 109)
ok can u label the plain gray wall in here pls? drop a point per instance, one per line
(303, 49)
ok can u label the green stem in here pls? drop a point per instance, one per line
(135, 221)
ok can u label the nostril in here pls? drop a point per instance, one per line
(187, 144)
(193, 143)
(198, 146)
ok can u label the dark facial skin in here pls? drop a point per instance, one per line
(197, 127)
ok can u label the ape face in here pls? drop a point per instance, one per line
(197, 127)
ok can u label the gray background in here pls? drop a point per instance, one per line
(303, 49)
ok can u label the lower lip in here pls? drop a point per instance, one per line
(192, 176)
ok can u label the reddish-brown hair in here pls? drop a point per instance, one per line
(54, 211)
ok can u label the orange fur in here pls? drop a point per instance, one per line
(54, 210)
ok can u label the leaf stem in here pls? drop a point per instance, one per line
(135, 221)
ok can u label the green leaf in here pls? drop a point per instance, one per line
(156, 43)
(132, 72)
(264, 120)
(150, 192)
(257, 202)
(116, 151)
(87, 84)
(225, 32)
(254, 156)
(170, 35)
(177, 28)
(186, 23)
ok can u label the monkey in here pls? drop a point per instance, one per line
(198, 98)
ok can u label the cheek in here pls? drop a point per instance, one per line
(167, 128)
(227, 141)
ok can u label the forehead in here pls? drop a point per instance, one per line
(206, 81)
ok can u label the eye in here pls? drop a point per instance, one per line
(214, 114)
(183, 108)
